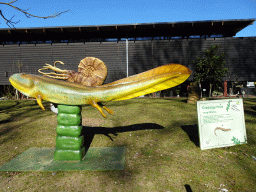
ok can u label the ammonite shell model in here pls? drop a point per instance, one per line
(94, 70)
(91, 72)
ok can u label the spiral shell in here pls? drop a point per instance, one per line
(93, 71)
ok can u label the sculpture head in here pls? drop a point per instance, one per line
(23, 82)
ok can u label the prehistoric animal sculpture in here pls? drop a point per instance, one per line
(63, 92)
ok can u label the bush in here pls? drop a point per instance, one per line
(8, 91)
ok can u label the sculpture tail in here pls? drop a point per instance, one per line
(163, 77)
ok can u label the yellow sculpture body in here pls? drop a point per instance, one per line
(69, 93)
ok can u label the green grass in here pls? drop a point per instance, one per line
(162, 155)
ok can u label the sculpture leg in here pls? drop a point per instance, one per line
(69, 141)
(94, 104)
(108, 110)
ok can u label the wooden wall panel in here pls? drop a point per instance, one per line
(143, 56)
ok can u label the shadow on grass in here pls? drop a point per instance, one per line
(2, 108)
(6, 129)
(188, 188)
(253, 113)
(14, 108)
(192, 131)
(11, 105)
(182, 100)
(89, 132)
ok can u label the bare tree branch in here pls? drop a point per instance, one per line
(8, 21)
(28, 15)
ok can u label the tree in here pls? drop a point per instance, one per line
(28, 15)
(211, 69)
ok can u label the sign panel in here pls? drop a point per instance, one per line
(251, 84)
(221, 123)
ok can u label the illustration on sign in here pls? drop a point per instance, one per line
(221, 123)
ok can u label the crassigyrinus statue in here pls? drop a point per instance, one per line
(69, 93)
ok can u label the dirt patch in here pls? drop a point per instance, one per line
(92, 122)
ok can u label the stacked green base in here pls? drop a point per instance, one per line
(69, 141)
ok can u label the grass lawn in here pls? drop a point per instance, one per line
(162, 148)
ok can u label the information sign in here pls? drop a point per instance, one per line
(221, 123)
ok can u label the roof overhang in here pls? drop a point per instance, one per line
(226, 28)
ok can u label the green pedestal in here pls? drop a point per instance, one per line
(41, 159)
(69, 141)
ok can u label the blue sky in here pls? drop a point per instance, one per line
(103, 12)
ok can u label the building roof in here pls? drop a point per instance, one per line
(221, 28)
